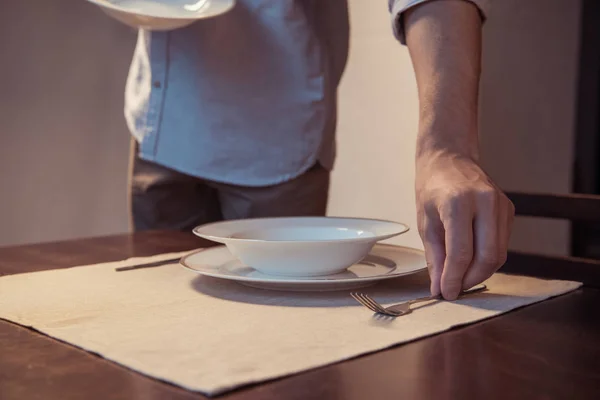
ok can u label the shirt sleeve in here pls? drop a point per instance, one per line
(397, 7)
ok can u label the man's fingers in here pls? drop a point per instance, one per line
(489, 238)
(506, 217)
(432, 234)
(510, 219)
(457, 218)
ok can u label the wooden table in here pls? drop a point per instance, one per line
(545, 351)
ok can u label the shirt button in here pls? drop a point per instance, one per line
(156, 84)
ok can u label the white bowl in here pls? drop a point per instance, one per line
(300, 246)
(163, 15)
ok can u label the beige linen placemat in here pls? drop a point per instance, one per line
(211, 336)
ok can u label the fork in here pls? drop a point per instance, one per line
(403, 308)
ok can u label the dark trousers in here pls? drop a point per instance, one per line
(161, 198)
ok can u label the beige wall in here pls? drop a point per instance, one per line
(63, 143)
(377, 128)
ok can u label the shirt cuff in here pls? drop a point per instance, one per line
(397, 7)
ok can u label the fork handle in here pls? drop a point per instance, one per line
(474, 289)
(425, 298)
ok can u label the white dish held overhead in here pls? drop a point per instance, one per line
(162, 15)
(382, 263)
(300, 246)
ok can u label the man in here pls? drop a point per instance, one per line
(234, 117)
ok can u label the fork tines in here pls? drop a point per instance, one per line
(368, 302)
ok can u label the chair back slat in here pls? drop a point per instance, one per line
(572, 207)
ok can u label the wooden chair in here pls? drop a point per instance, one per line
(572, 207)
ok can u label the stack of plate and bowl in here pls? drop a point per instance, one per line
(304, 253)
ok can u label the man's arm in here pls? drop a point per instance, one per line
(464, 218)
(444, 41)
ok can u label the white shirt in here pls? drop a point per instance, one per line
(249, 97)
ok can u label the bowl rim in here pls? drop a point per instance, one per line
(108, 4)
(402, 228)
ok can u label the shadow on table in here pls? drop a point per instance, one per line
(388, 292)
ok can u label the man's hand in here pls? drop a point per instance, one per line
(464, 219)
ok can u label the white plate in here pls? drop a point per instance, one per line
(163, 14)
(383, 262)
(300, 246)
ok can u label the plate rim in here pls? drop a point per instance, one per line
(287, 280)
(108, 4)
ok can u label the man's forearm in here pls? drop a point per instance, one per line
(463, 218)
(444, 41)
